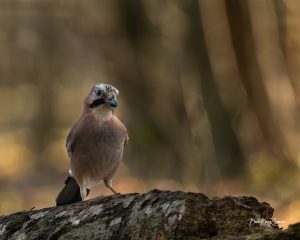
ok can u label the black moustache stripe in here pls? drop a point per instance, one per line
(97, 102)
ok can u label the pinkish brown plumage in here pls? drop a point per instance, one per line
(95, 145)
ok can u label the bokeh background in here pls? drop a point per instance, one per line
(209, 92)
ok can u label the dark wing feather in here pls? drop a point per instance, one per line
(69, 194)
(69, 143)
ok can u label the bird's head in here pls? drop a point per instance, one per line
(102, 95)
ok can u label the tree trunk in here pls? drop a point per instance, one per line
(251, 76)
(153, 215)
(230, 158)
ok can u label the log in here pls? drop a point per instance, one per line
(154, 215)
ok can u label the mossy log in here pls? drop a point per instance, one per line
(153, 215)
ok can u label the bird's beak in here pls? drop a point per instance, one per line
(112, 102)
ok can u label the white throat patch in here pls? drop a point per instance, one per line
(102, 113)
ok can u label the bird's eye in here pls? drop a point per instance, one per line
(98, 92)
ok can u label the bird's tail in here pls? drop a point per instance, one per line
(70, 193)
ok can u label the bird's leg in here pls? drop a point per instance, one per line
(108, 184)
(84, 192)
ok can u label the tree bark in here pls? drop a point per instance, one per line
(153, 215)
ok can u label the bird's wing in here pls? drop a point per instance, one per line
(68, 143)
(121, 127)
(126, 139)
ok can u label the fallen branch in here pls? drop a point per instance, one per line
(153, 215)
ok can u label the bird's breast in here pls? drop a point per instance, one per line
(99, 149)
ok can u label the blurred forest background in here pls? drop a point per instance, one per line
(209, 92)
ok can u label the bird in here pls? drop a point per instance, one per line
(95, 145)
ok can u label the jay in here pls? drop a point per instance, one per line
(95, 145)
